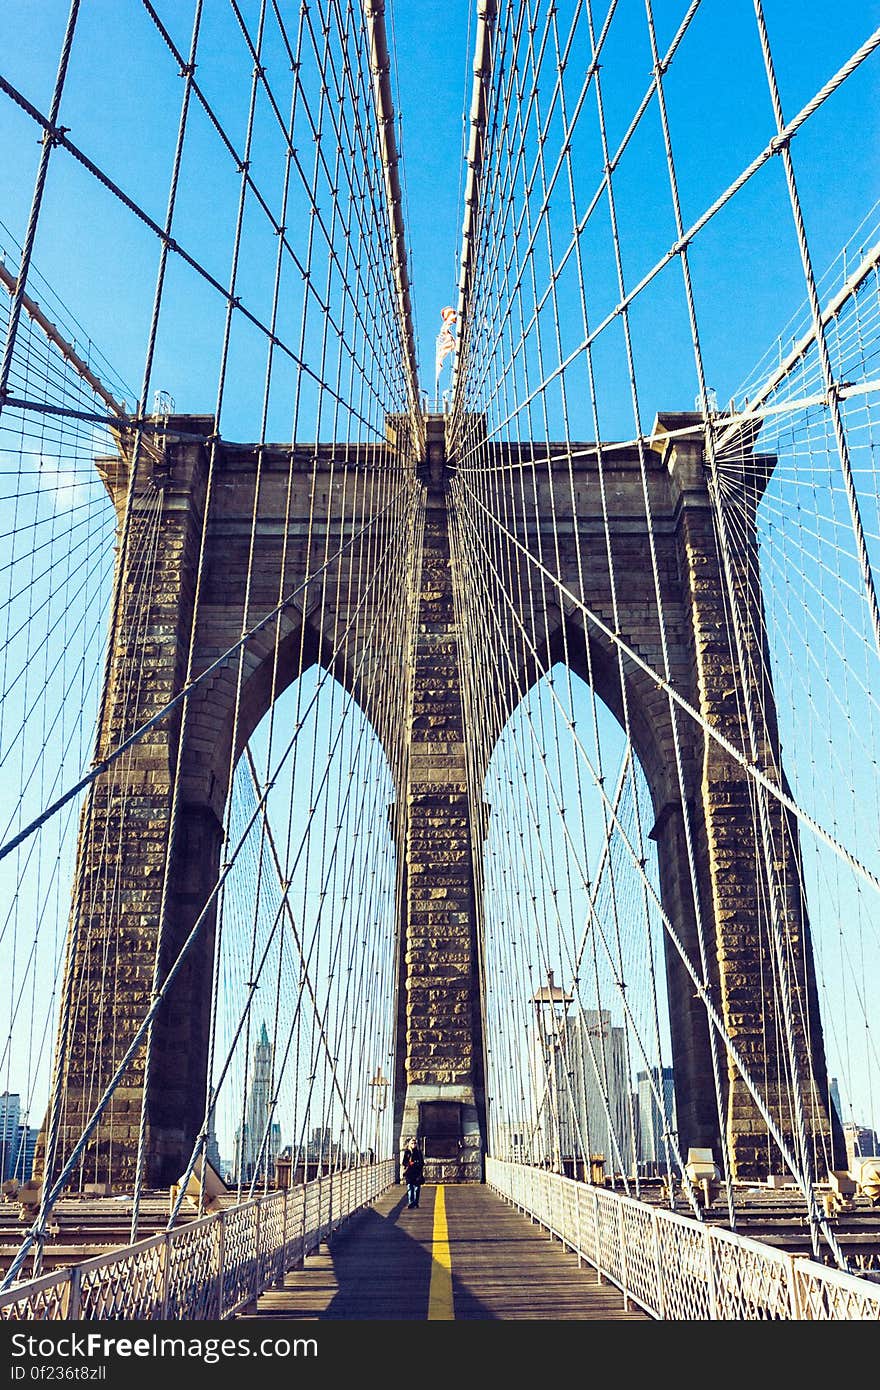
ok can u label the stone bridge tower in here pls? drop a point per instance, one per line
(439, 1079)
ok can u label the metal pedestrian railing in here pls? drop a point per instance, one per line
(206, 1269)
(676, 1268)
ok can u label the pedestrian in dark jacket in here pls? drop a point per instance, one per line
(413, 1172)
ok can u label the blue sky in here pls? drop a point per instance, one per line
(122, 102)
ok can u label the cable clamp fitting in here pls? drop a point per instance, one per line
(835, 391)
(55, 135)
(779, 143)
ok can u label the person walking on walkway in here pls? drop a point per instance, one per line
(413, 1172)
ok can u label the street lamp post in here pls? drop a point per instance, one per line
(551, 1006)
(379, 1097)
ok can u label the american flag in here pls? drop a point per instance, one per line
(445, 338)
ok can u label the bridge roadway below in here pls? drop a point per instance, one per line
(463, 1254)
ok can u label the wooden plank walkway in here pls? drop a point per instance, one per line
(379, 1266)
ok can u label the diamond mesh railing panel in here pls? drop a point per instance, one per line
(641, 1254)
(37, 1300)
(194, 1271)
(325, 1194)
(684, 1261)
(589, 1224)
(828, 1295)
(609, 1236)
(272, 1239)
(129, 1284)
(568, 1211)
(239, 1255)
(677, 1268)
(312, 1219)
(294, 1243)
(752, 1281)
(204, 1269)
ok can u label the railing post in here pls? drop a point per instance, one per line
(280, 1280)
(658, 1267)
(221, 1262)
(166, 1273)
(597, 1227)
(710, 1275)
(623, 1263)
(577, 1224)
(798, 1311)
(257, 1258)
(74, 1283)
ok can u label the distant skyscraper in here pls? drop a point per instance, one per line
(580, 1084)
(24, 1162)
(511, 1141)
(10, 1124)
(252, 1156)
(212, 1151)
(321, 1150)
(651, 1122)
(861, 1142)
(594, 1090)
(834, 1090)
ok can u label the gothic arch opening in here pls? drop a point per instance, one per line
(578, 1042)
(306, 940)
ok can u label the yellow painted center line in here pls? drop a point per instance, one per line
(440, 1305)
